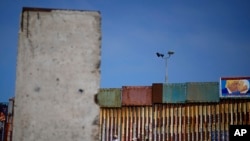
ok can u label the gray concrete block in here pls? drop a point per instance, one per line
(58, 74)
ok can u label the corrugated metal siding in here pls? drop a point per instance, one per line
(160, 93)
(203, 92)
(110, 97)
(136, 95)
(181, 122)
(174, 93)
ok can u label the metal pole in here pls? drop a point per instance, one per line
(166, 62)
(166, 76)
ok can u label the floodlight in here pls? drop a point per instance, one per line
(159, 54)
(170, 53)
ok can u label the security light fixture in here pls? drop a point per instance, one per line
(159, 54)
(170, 53)
(166, 59)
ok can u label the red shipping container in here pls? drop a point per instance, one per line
(136, 95)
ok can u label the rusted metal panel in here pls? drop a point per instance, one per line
(136, 95)
(203, 92)
(184, 122)
(109, 97)
(157, 92)
(174, 93)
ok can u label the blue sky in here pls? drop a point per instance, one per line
(210, 38)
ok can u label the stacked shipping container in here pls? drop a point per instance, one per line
(181, 112)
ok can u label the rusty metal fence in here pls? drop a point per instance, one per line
(174, 122)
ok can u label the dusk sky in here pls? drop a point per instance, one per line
(210, 38)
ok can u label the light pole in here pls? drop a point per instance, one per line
(166, 62)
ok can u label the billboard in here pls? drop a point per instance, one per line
(237, 87)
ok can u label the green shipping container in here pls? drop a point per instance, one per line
(109, 97)
(174, 93)
(203, 92)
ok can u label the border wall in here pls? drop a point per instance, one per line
(58, 74)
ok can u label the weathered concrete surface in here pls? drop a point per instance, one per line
(57, 76)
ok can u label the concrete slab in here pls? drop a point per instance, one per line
(58, 74)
